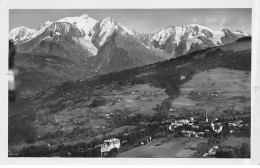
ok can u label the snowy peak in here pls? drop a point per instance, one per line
(199, 27)
(84, 23)
(108, 23)
(81, 19)
(58, 28)
(84, 16)
(106, 28)
(21, 34)
(179, 40)
(129, 30)
(188, 30)
(44, 25)
(108, 20)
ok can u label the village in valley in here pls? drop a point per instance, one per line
(188, 127)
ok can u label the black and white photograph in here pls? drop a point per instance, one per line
(95, 82)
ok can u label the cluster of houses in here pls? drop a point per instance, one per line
(193, 128)
(236, 125)
(188, 128)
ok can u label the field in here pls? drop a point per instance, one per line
(136, 99)
(227, 84)
(121, 129)
(175, 148)
(140, 98)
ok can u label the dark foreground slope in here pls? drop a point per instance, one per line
(40, 71)
(168, 75)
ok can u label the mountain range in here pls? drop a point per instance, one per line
(99, 47)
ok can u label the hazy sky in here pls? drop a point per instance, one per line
(142, 20)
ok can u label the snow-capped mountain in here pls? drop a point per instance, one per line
(178, 41)
(21, 34)
(78, 38)
(69, 38)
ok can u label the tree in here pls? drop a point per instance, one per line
(164, 108)
(100, 101)
(113, 152)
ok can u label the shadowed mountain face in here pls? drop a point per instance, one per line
(39, 71)
(120, 53)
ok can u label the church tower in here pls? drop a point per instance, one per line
(207, 120)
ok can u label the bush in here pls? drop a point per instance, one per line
(100, 101)
(201, 149)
